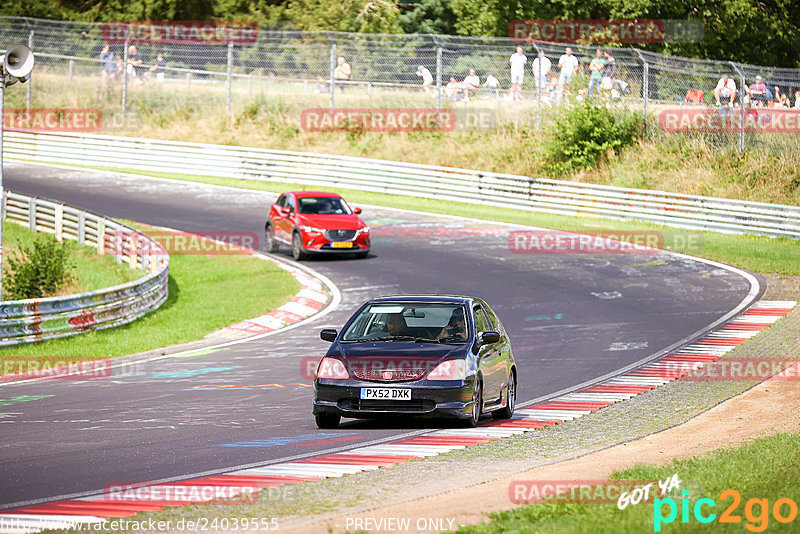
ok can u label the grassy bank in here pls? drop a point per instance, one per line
(91, 270)
(764, 469)
(268, 115)
(206, 293)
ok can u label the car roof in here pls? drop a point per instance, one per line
(306, 194)
(452, 299)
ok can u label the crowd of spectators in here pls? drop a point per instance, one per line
(113, 67)
(756, 95)
(553, 83)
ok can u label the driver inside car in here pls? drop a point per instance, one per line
(396, 325)
(456, 326)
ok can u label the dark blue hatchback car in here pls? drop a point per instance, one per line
(427, 355)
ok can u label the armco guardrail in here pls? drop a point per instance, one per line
(24, 321)
(428, 181)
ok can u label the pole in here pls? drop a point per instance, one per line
(124, 78)
(742, 81)
(230, 76)
(333, 75)
(29, 96)
(538, 83)
(2, 192)
(645, 86)
(438, 78)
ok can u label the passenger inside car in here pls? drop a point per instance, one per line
(456, 328)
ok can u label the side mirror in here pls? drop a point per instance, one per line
(328, 334)
(357, 211)
(489, 337)
(286, 210)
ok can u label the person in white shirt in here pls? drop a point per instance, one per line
(517, 62)
(493, 84)
(569, 66)
(471, 82)
(427, 79)
(725, 92)
(540, 69)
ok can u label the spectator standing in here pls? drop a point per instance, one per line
(160, 68)
(540, 69)
(517, 62)
(609, 74)
(725, 92)
(109, 65)
(596, 69)
(471, 83)
(135, 68)
(758, 93)
(342, 71)
(569, 66)
(797, 99)
(427, 79)
(492, 84)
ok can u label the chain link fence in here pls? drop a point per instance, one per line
(289, 71)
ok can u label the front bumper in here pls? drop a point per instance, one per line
(318, 244)
(428, 398)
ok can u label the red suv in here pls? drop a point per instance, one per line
(314, 222)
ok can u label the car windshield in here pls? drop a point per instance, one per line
(323, 206)
(409, 321)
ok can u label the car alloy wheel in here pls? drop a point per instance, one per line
(511, 400)
(297, 247)
(269, 239)
(477, 404)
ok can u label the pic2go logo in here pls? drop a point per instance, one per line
(783, 510)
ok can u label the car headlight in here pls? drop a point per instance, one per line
(449, 370)
(362, 230)
(332, 369)
(312, 230)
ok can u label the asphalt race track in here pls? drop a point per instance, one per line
(571, 318)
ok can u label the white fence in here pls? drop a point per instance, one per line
(410, 179)
(24, 321)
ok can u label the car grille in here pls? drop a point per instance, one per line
(379, 405)
(340, 235)
(388, 376)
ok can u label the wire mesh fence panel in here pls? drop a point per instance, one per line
(142, 80)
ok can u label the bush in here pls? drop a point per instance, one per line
(583, 135)
(38, 270)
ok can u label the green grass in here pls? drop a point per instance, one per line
(206, 293)
(91, 270)
(755, 253)
(764, 469)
